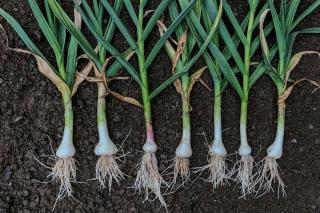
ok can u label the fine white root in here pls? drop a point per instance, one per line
(269, 174)
(64, 171)
(245, 174)
(107, 171)
(149, 178)
(182, 167)
(219, 173)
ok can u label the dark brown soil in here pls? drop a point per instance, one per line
(31, 110)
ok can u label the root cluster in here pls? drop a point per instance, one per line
(149, 179)
(64, 171)
(107, 171)
(245, 175)
(182, 168)
(219, 173)
(269, 174)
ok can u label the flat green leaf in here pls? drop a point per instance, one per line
(125, 32)
(50, 16)
(256, 43)
(96, 7)
(24, 37)
(72, 61)
(168, 33)
(174, 12)
(83, 42)
(116, 66)
(155, 17)
(225, 35)
(70, 26)
(131, 11)
(61, 36)
(307, 12)
(280, 35)
(185, 69)
(235, 23)
(43, 24)
(89, 13)
(293, 36)
(110, 29)
(294, 5)
(262, 68)
(199, 32)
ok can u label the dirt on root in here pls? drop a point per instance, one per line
(31, 111)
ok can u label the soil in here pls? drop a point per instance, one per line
(31, 112)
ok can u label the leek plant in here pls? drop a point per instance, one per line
(107, 167)
(148, 176)
(182, 63)
(222, 74)
(63, 75)
(246, 163)
(219, 172)
(285, 22)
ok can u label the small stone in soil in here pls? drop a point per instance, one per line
(118, 135)
(25, 193)
(116, 118)
(294, 140)
(7, 173)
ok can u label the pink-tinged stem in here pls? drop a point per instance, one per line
(150, 135)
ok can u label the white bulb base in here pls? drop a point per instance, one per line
(184, 149)
(150, 146)
(66, 148)
(276, 149)
(218, 148)
(105, 145)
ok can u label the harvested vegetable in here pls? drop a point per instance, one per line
(285, 22)
(217, 166)
(181, 64)
(63, 76)
(246, 163)
(107, 167)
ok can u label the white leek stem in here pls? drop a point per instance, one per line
(244, 149)
(184, 149)
(105, 145)
(66, 148)
(217, 146)
(276, 149)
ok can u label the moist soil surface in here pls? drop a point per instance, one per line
(31, 112)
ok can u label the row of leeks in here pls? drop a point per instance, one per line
(148, 177)
(200, 22)
(283, 23)
(195, 24)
